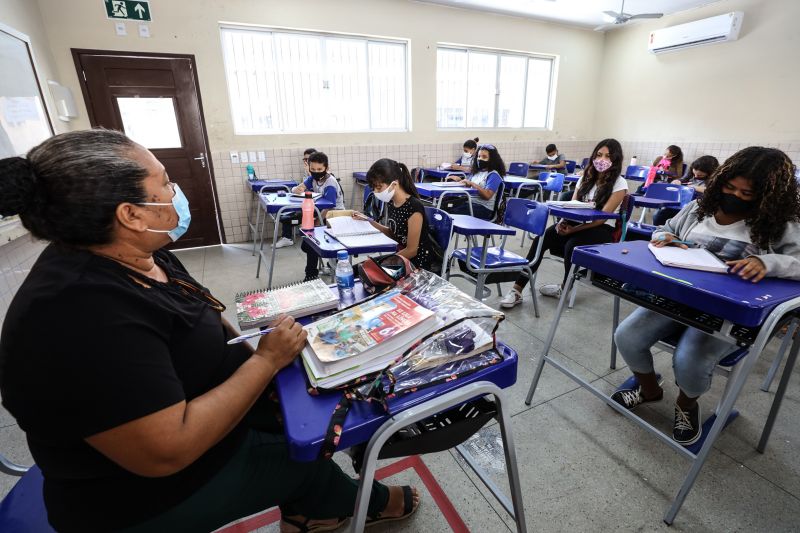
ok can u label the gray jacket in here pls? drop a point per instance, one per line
(782, 259)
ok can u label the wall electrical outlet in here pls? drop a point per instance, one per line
(120, 28)
(262, 156)
(234, 157)
(243, 157)
(144, 30)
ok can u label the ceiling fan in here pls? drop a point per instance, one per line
(622, 17)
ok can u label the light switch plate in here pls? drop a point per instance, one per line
(120, 28)
(234, 157)
(262, 156)
(243, 157)
(144, 30)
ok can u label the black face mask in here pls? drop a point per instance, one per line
(733, 205)
(483, 164)
(318, 175)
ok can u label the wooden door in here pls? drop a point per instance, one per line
(154, 99)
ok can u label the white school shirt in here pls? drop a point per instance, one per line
(619, 185)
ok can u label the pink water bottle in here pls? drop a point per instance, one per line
(308, 212)
(651, 176)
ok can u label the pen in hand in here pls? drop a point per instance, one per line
(242, 338)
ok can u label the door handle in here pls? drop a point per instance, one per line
(202, 160)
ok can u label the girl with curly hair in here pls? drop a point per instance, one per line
(749, 216)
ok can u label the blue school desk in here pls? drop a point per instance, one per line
(537, 166)
(514, 183)
(262, 186)
(581, 215)
(571, 178)
(435, 194)
(326, 246)
(306, 419)
(743, 313)
(470, 227)
(439, 174)
(359, 178)
(276, 206)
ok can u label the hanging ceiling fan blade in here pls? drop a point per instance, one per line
(646, 16)
(613, 14)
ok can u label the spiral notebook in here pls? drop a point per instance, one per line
(356, 233)
(258, 308)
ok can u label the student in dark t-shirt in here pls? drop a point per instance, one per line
(138, 413)
(406, 221)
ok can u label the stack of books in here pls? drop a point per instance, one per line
(258, 308)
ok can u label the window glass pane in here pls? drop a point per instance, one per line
(512, 91)
(537, 97)
(300, 71)
(451, 88)
(387, 85)
(150, 122)
(345, 85)
(482, 89)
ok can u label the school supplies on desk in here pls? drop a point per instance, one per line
(259, 333)
(363, 338)
(356, 233)
(259, 308)
(571, 204)
(448, 184)
(691, 258)
(300, 196)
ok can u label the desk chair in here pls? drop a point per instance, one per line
(571, 166)
(553, 182)
(636, 172)
(518, 169)
(664, 191)
(480, 264)
(584, 162)
(23, 510)
(441, 230)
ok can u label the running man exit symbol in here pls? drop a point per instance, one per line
(128, 9)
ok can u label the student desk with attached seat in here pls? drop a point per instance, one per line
(723, 305)
(515, 183)
(470, 227)
(306, 419)
(327, 247)
(359, 179)
(439, 174)
(276, 206)
(259, 187)
(436, 194)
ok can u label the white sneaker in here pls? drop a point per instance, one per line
(553, 291)
(512, 298)
(283, 242)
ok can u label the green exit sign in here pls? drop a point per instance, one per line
(128, 10)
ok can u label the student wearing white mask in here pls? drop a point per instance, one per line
(554, 161)
(464, 163)
(488, 170)
(405, 218)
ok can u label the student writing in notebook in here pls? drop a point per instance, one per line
(464, 163)
(405, 221)
(602, 184)
(749, 216)
(488, 170)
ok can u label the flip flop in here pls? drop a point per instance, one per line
(408, 509)
(304, 527)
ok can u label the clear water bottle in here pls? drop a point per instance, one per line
(251, 173)
(634, 161)
(345, 280)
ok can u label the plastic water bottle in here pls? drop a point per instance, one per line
(251, 173)
(634, 161)
(308, 212)
(345, 280)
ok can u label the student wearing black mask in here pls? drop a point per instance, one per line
(749, 216)
(488, 170)
(319, 181)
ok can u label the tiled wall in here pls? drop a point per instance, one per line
(344, 160)
(16, 260)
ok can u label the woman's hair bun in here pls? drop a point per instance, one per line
(476, 140)
(17, 185)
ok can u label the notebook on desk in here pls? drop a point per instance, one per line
(571, 204)
(301, 195)
(356, 233)
(691, 258)
(259, 308)
(448, 184)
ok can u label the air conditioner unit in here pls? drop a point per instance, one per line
(706, 31)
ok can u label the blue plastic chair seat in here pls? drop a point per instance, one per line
(495, 257)
(22, 510)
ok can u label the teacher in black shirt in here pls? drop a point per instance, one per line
(114, 362)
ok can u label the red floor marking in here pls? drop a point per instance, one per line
(415, 462)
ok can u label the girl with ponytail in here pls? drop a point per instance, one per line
(406, 222)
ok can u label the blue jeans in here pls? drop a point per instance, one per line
(696, 353)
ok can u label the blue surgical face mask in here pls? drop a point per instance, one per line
(181, 205)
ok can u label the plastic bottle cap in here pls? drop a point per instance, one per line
(308, 194)
(341, 255)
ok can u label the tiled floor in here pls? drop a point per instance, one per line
(583, 467)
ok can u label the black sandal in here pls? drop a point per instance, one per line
(408, 509)
(304, 527)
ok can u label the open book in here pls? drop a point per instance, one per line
(259, 308)
(355, 233)
(691, 258)
(364, 338)
(571, 204)
(301, 195)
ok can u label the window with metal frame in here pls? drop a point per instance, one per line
(479, 88)
(283, 81)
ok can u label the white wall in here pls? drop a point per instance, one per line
(745, 91)
(191, 27)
